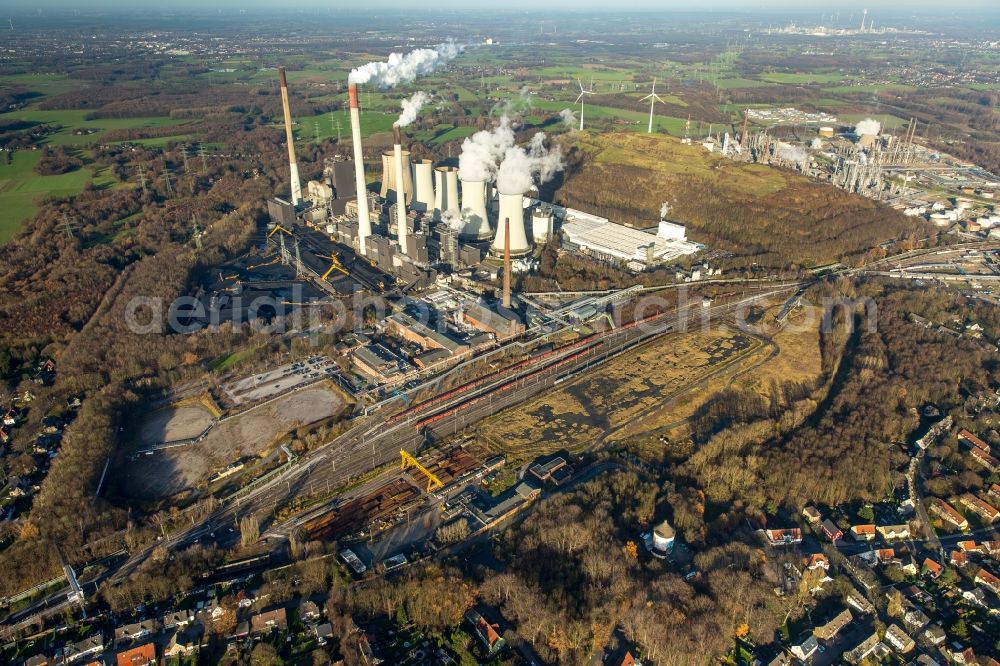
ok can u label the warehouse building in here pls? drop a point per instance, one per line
(603, 239)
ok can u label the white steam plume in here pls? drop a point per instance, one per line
(514, 106)
(568, 117)
(789, 153)
(482, 151)
(817, 143)
(411, 107)
(868, 126)
(521, 167)
(404, 68)
(452, 219)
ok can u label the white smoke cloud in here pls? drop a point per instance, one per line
(515, 106)
(482, 151)
(664, 210)
(568, 117)
(521, 167)
(404, 68)
(452, 219)
(789, 153)
(817, 143)
(868, 126)
(411, 107)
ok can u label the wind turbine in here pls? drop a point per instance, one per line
(580, 100)
(653, 99)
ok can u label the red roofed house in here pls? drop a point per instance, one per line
(144, 655)
(885, 554)
(994, 492)
(263, 623)
(863, 532)
(487, 634)
(972, 441)
(948, 513)
(958, 558)
(968, 546)
(830, 530)
(988, 580)
(932, 568)
(817, 561)
(985, 511)
(784, 537)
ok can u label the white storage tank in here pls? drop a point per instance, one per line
(663, 537)
(542, 222)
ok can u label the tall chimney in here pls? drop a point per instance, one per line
(292, 166)
(397, 149)
(506, 264)
(364, 220)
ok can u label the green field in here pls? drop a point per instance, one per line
(21, 189)
(793, 78)
(71, 120)
(638, 120)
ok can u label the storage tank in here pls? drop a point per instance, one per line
(446, 190)
(542, 222)
(423, 193)
(663, 537)
(826, 132)
(477, 223)
(389, 175)
(511, 207)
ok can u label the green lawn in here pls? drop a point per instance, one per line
(640, 120)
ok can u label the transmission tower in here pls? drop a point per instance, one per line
(184, 155)
(166, 180)
(204, 164)
(142, 180)
(67, 227)
(299, 270)
(196, 231)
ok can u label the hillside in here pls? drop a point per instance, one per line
(776, 217)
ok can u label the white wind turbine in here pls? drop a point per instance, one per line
(580, 100)
(653, 99)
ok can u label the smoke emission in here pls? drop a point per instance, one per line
(568, 117)
(868, 126)
(404, 68)
(817, 143)
(452, 219)
(515, 106)
(483, 150)
(794, 154)
(411, 107)
(521, 167)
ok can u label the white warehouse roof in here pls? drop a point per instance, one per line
(602, 236)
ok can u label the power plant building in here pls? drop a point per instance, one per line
(501, 324)
(604, 239)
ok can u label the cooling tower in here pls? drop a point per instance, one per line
(423, 194)
(446, 192)
(512, 208)
(364, 219)
(389, 175)
(477, 223)
(292, 166)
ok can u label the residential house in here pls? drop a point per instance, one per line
(829, 630)
(627, 659)
(984, 459)
(268, 621)
(830, 530)
(885, 555)
(812, 514)
(309, 611)
(323, 632)
(987, 580)
(784, 537)
(958, 558)
(935, 634)
(991, 547)
(916, 619)
(492, 642)
(961, 655)
(38, 660)
(898, 639)
(968, 546)
(924, 660)
(863, 532)
(134, 631)
(893, 532)
(816, 561)
(994, 492)
(177, 620)
(5, 436)
(863, 649)
(11, 417)
(973, 442)
(183, 642)
(88, 647)
(947, 513)
(804, 649)
(858, 602)
(143, 655)
(975, 596)
(986, 511)
(932, 568)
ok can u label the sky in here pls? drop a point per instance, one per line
(548, 5)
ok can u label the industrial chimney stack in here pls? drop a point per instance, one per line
(292, 166)
(364, 220)
(397, 149)
(506, 264)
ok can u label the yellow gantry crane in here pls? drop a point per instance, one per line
(278, 228)
(335, 265)
(409, 461)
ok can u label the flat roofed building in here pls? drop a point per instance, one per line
(406, 327)
(604, 239)
(503, 324)
(380, 363)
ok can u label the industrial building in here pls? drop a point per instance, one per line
(503, 324)
(603, 239)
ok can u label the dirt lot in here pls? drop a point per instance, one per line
(174, 423)
(601, 403)
(169, 472)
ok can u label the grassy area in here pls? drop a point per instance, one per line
(21, 189)
(793, 78)
(638, 120)
(71, 120)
